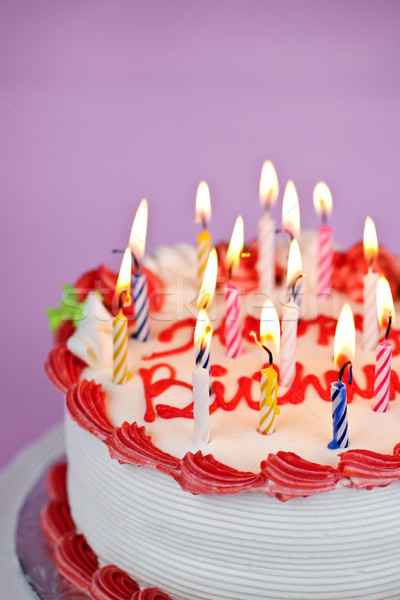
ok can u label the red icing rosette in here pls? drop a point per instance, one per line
(290, 476)
(56, 482)
(150, 594)
(129, 444)
(76, 560)
(64, 332)
(86, 405)
(366, 469)
(104, 281)
(63, 368)
(110, 583)
(201, 474)
(350, 267)
(56, 521)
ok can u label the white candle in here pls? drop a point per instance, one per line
(201, 404)
(370, 321)
(290, 315)
(269, 190)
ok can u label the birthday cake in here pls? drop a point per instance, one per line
(163, 501)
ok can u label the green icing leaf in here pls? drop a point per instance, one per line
(70, 309)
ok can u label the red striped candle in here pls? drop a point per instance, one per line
(233, 327)
(325, 256)
(382, 376)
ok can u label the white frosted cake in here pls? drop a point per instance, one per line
(246, 515)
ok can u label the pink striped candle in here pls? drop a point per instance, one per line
(325, 256)
(233, 327)
(383, 368)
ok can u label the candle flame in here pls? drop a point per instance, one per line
(235, 245)
(294, 267)
(370, 240)
(322, 199)
(124, 277)
(269, 326)
(203, 202)
(209, 281)
(137, 240)
(345, 337)
(269, 187)
(291, 209)
(384, 301)
(203, 331)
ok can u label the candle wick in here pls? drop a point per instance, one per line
(294, 284)
(136, 263)
(203, 222)
(117, 250)
(324, 214)
(389, 326)
(371, 260)
(285, 230)
(230, 273)
(270, 357)
(123, 303)
(341, 372)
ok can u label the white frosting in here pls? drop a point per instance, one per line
(90, 341)
(340, 545)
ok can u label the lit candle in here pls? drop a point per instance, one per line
(203, 214)
(290, 317)
(384, 350)
(137, 242)
(233, 326)
(201, 383)
(269, 190)
(344, 346)
(120, 327)
(322, 198)
(269, 330)
(370, 321)
(291, 211)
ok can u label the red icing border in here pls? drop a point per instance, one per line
(73, 556)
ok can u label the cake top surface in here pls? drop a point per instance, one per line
(159, 394)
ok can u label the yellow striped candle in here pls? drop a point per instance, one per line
(269, 328)
(120, 323)
(203, 251)
(268, 400)
(120, 348)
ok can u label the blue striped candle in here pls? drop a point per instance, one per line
(339, 411)
(141, 307)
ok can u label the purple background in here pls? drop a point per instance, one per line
(103, 103)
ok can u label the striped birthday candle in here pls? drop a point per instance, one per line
(141, 307)
(383, 368)
(201, 404)
(268, 400)
(203, 250)
(339, 410)
(120, 348)
(233, 326)
(325, 256)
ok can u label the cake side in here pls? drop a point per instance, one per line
(236, 546)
